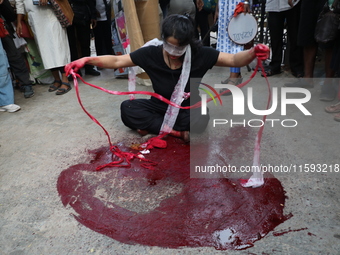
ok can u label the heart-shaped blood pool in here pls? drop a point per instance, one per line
(165, 207)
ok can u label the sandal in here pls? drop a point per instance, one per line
(62, 91)
(54, 88)
(335, 108)
(270, 72)
(337, 117)
(231, 81)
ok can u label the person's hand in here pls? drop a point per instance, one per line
(75, 66)
(93, 23)
(246, 8)
(18, 29)
(1, 1)
(262, 52)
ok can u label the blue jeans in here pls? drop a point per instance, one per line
(6, 86)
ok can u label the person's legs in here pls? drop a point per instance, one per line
(295, 51)
(328, 91)
(203, 23)
(308, 17)
(235, 78)
(6, 86)
(102, 38)
(143, 114)
(328, 59)
(65, 85)
(276, 23)
(107, 38)
(72, 40)
(309, 55)
(60, 84)
(98, 38)
(146, 116)
(18, 66)
(83, 33)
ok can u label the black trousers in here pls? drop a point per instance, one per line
(79, 38)
(203, 23)
(103, 38)
(148, 114)
(276, 21)
(16, 61)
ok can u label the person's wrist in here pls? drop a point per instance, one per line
(252, 52)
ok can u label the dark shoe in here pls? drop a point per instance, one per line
(232, 81)
(62, 91)
(54, 88)
(328, 92)
(300, 83)
(297, 74)
(270, 72)
(28, 91)
(92, 72)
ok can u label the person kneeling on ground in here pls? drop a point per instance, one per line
(167, 63)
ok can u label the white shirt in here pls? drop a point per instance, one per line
(49, 36)
(100, 6)
(279, 5)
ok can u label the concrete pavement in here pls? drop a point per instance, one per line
(51, 133)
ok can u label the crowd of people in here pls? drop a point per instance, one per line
(59, 46)
(56, 44)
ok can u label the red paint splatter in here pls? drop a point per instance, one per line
(203, 212)
(282, 232)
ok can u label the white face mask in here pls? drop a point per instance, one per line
(173, 49)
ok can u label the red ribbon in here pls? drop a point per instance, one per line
(124, 158)
(239, 9)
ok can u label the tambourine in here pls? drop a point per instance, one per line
(242, 29)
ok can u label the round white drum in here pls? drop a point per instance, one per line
(242, 29)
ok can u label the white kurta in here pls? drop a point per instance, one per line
(279, 5)
(226, 12)
(50, 37)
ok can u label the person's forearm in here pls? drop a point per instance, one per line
(244, 58)
(107, 61)
(19, 17)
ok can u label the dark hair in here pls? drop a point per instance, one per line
(182, 28)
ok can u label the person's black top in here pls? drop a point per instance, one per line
(165, 79)
(84, 9)
(8, 13)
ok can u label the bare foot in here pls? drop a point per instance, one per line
(142, 132)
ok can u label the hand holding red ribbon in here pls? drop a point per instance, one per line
(262, 52)
(75, 66)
